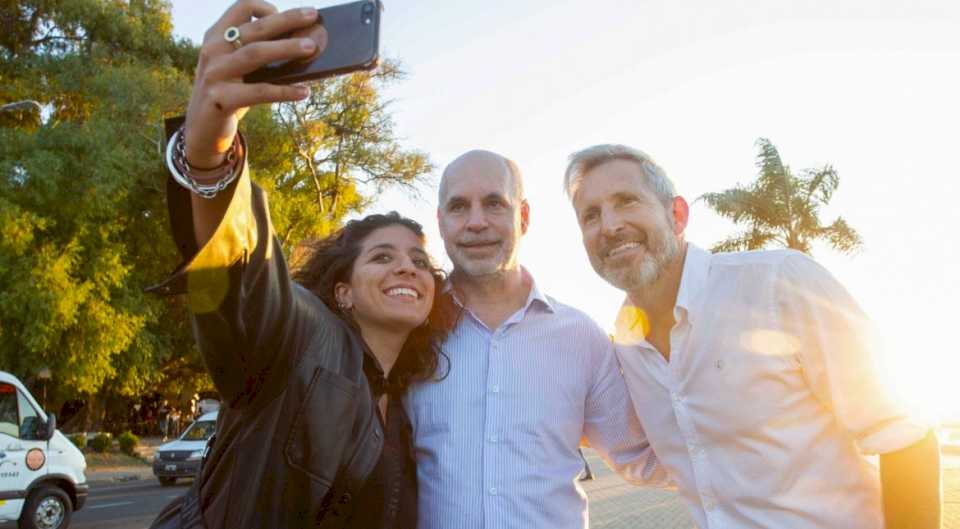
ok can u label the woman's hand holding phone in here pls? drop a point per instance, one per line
(220, 98)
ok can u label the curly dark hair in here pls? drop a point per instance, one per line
(331, 260)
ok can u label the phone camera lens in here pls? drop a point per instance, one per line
(368, 8)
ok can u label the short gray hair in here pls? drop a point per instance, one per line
(583, 161)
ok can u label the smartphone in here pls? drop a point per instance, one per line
(353, 43)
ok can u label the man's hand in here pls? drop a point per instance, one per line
(911, 486)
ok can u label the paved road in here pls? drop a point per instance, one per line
(123, 506)
(613, 503)
(616, 505)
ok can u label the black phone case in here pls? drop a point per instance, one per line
(353, 43)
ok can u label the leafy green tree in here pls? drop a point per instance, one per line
(83, 220)
(782, 208)
(82, 208)
(331, 155)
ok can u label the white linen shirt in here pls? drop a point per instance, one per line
(771, 398)
(496, 440)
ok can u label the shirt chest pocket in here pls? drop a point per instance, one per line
(755, 390)
(322, 430)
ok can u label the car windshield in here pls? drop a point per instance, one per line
(199, 431)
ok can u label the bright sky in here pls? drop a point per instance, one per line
(869, 86)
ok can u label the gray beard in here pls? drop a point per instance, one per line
(481, 270)
(484, 269)
(649, 270)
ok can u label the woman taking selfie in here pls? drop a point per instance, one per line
(312, 365)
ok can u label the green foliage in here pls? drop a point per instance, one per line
(78, 439)
(331, 155)
(83, 220)
(83, 217)
(128, 443)
(101, 443)
(782, 208)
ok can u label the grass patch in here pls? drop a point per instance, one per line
(112, 460)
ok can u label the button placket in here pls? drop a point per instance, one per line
(494, 413)
(695, 451)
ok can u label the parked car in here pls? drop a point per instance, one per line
(205, 406)
(42, 480)
(181, 457)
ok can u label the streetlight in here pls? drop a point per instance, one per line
(20, 108)
(26, 104)
(44, 374)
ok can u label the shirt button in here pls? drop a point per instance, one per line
(493, 491)
(495, 388)
(709, 505)
(493, 439)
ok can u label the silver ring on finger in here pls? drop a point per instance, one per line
(232, 35)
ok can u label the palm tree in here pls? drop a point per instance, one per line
(781, 208)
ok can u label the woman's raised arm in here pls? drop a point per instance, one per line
(220, 98)
(250, 320)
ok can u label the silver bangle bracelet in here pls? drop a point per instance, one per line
(187, 180)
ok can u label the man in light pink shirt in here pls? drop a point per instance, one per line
(752, 373)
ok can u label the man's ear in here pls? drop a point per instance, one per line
(344, 295)
(680, 215)
(524, 216)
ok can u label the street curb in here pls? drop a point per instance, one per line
(116, 480)
(119, 476)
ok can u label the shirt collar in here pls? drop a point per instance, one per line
(535, 296)
(632, 324)
(693, 282)
(379, 384)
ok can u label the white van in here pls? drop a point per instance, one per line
(41, 472)
(181, 457)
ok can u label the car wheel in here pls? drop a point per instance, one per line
(47, 507)
(167, 482)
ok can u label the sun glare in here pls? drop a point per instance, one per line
(924, 378)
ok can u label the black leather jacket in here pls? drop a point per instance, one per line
(298, 435)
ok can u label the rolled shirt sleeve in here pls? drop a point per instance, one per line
(839, 354)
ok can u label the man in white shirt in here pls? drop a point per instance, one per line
(752, 373)
(496, 436)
